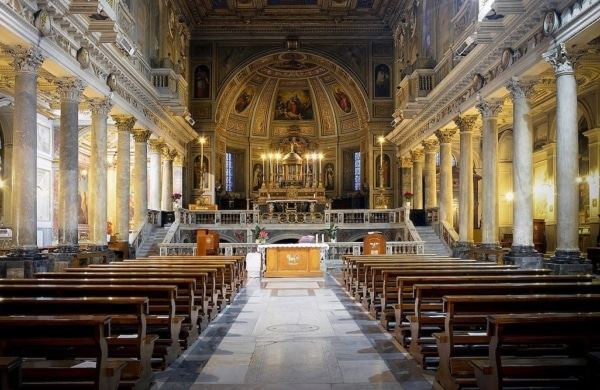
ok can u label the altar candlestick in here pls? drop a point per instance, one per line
(320, 170)
(270, 167)
(263, 157)
(381, 141)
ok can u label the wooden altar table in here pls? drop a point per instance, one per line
(293, 260)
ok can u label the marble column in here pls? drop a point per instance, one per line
(489, 219)
(430, 148)
(594, 184)
(522, 251)
(167, 178)
(178, 177)
(70, 90)
(417, 159)
(124, 126)
(466, 125)
(26, 63)
(140, 177)
(446, 212)
(406, 165)
(97, 174)
(154, 176)
(567, 157)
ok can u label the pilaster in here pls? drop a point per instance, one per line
(124, 126)
(417, 159)
(430, 147)
(446, 212)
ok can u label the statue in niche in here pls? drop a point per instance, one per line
(257, 177)
(386, 171)
(382, 81)
(200, 172)
(329, 177)
(202, 82)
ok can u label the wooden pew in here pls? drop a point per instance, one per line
(162, 319)
(429, 320)
(466, 316)
(184, 302)
(128, 339)
(542, 350)
(406, 301)
(10, 372)
(205, 282)
(61, 337)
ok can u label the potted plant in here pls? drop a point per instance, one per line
(260, 235)
(407, 198)
(331, 232)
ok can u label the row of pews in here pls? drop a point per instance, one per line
(109, 326)
(483, 324)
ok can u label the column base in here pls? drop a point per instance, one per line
(525, 257)
(462, 249)
(67, 248)
(569, 263)
(23, 263)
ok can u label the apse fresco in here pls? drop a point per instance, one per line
(293, 104)
(342, 99)
(244, 99)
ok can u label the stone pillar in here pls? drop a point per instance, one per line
(567, 158)
(446, 212)
(124, 126)
(167, 178)
(489, 218)
(70, 90)
(178, 177)
(430, 147)
(465, 198)
(154, 179)
(24, 173)
(6, 121)
(140, 177)
(417, 158)
(97, 174)
(522, 251)
(594, 184)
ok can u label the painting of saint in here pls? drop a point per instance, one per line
(386, 171)
(293, 104)
(257, 177)
(382, 81)
(244, 99)
(329, 177)
(198, 176)
(342, 99)
(202, 82)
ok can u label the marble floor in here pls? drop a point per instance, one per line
(293, 334)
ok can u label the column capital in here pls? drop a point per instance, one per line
(179, 161)
(466, 123)
(124, 122)
(406, 162)
(562, 61)
(445, 135)
(155, 145)
(25, 60)
(489, 108)
(417, 155)
(520, 89)
(168, 154)
(141, 135)
(430, 145)
(100, 106)
(70, 89)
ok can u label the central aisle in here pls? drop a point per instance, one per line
(293, 334)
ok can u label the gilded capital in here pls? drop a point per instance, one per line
(417, 155)
(141, 135)
(430, 145)
(406, 162)
(168, 154)
(25, 60)
(466, 123)
(156, 145)
(445, 135)
(179, 161)
(70, 89)
(489, 108)
(100, 106)
(520, 89)
(124, 122)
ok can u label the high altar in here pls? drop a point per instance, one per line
(293, 260)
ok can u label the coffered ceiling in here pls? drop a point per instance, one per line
(304, 17)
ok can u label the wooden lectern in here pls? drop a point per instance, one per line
(374, 244)
(207, 243)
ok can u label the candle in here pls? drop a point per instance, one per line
(381, 141)
(263, 157)
(314, 167)
(270, 167)
(320, 170)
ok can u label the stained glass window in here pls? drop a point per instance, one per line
(357, 178)
(229, 172)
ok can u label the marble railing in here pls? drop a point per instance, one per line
(335, 252)
(250, 218)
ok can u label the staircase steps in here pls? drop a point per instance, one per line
(433, 244)
(150, 247)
